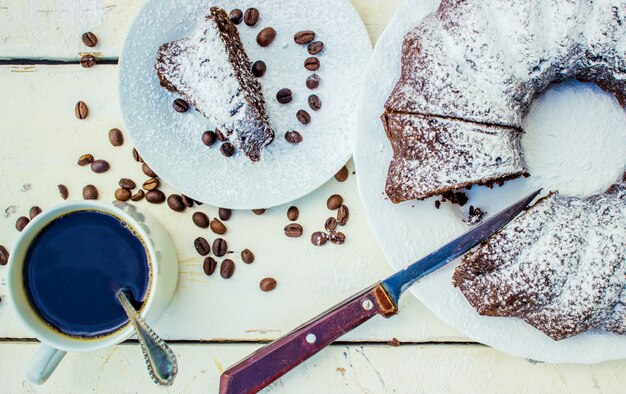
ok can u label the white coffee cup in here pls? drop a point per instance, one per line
(163, 263)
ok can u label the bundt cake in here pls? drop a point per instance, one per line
(211, 70)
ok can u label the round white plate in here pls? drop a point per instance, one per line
(171, 143)
(575, 142)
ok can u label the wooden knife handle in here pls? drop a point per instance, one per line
(280, 356)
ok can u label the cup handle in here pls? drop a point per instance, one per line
(44, 362)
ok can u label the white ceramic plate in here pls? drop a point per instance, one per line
(563, 152)
(171, 143)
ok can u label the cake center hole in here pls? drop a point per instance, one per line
(575, 139)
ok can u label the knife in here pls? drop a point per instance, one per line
(285, 353)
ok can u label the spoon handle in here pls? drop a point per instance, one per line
(160, 359)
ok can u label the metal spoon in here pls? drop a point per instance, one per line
(160, 359)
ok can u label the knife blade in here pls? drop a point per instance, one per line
(285, 353)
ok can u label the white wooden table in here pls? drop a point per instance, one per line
(213, 322)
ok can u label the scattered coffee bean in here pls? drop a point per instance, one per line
(100, 166)
(266, 37)
(122, 194)
(4, 255)
(200, 219)
(319, 238)
(258, 212)
(220, 136)
(227, 149)
(21, 222)
(155, 196)
(304, 37)
(137, 156)
(63, 191)
(284, 96)
(236, 16)
(331, 224)
(251, 16)
(334, 202)
(151, 184)
(202, 246)
(293, 137)
(224, 213)
(116, 137)
(312, 64)
(175, 202)
(90, 39)
(337, 238)
(148, 171)
(258, 68)
(127, 183)
(220, 247)
(180, 105)
(187, 201)
(209, 138)
(303, 117)
(315, 47)
(85, 159)
(314, 102)
(88, 60)
(342, 174)
(209, 266)
(90, 192)
(293, 230)
(293, 213)
(342, 215)
(217, 227)
(313, 81)
(138, 196)
(247, 256)
(34, 211)
(81, 110)
(267, 284)
(227, 268)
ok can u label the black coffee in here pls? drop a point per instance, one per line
(74, 267)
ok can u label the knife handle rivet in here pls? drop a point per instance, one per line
(367, 305)
(311, 338)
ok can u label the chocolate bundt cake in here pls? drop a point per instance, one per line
(212, 71)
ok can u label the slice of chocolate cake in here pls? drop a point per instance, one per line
(211, 70)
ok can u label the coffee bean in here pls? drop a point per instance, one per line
(138, 196)
(284, 96)
(312, 64)
(220, 247)
(209, 138)
(85, 159)
(313, 81)
(122, 194)
(34, 211)
(227, 149)
(293, 137)
(227, 268)
(21, 222)
(90, 39)
(304, 37)
(266, 37)
(209, 266)
(314, 102)
(247, 256)
(303, 117)
(315, 47)
(342, 215)
(90, 192)
(81, 110)
(337, 238)
(319, 238)
(148, 171)
(236, 16)
(180, 105)
(224, 213)
(202, 246)
(116, 138)
(127, 183)
(293, 230)
(258, 68)
(100, 166)
(258, 212)
(175, 202)
(251, 16)
(200, 219)
(342, 174)
(217, 227)
(63, 191)
(334, 202)
(187, 201)
(267, 284)
(137, 156)
(331, 224)
(155, 196)
(293, 213)
(220, 136)
(151, 184)
(88, 61)
(4, 255)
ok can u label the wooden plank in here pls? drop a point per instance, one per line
(52, 29)
(42, 140)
